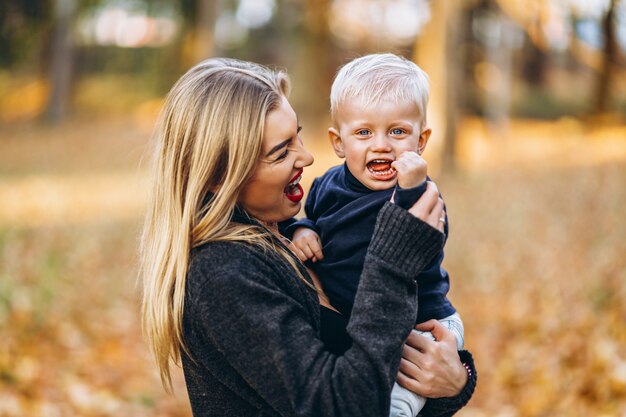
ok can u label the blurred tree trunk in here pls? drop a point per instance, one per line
(535, 64)
(537, 51)
(317, 55)
(436, 51)
(454, 82)
(61, 61)
(197, 38)
(610, 55)
(204, 42)
(500, 59)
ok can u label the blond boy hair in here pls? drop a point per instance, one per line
(380, 77)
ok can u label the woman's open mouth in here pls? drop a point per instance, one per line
(293, 190)
(381, 169)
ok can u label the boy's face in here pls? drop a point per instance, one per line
(372, 136)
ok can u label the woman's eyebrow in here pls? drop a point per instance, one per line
(279, 146)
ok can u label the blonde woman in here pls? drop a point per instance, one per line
(223, 293)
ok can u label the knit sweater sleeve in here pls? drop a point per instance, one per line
(249, 312)
(446, 407)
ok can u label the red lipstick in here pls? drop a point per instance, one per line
(293, 190)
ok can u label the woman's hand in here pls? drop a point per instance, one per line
(429, 208)
(430, 368)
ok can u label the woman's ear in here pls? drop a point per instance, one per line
(423, 140)
(336, 142)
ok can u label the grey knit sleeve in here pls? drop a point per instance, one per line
(252, 312)
(387, 295)
(416, 243)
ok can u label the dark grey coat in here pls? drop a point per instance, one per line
(252, 328)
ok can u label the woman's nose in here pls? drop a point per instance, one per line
(304, 158)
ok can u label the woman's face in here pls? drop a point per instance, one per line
(273, 193)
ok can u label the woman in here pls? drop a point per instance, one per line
(224, 294)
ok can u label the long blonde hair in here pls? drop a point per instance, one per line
(208, 140)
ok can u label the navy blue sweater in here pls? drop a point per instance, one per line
(343, 212)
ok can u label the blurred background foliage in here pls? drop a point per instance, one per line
(528, 104)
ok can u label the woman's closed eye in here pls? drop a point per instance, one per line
(284, 154)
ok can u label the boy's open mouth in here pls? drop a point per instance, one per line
(293, 190)
(381, 168)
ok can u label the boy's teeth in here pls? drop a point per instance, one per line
(380, 166)
(385, 172)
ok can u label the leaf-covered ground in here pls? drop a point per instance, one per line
(537, 256)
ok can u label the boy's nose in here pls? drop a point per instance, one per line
(381, 143)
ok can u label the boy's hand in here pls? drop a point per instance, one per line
(411, 169)
(307, 245)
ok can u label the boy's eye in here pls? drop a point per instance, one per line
(397, 131)
(363, 132)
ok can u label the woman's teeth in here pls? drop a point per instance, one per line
(295, 182)
(294, 191)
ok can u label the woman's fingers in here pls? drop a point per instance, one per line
(437, 217)
(410, 351)
(409, 368)
(409, 383)
(423, 207)
(418, 342)
(429, 208)
(438, 330)
(427, 326)
(410, 374)
(437, 365)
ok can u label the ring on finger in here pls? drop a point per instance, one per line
(442, 220)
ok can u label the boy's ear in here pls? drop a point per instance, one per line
(423, 140)
(336, 142)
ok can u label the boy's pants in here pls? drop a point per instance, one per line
(405, 403)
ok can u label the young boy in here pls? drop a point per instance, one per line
(378, 107)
